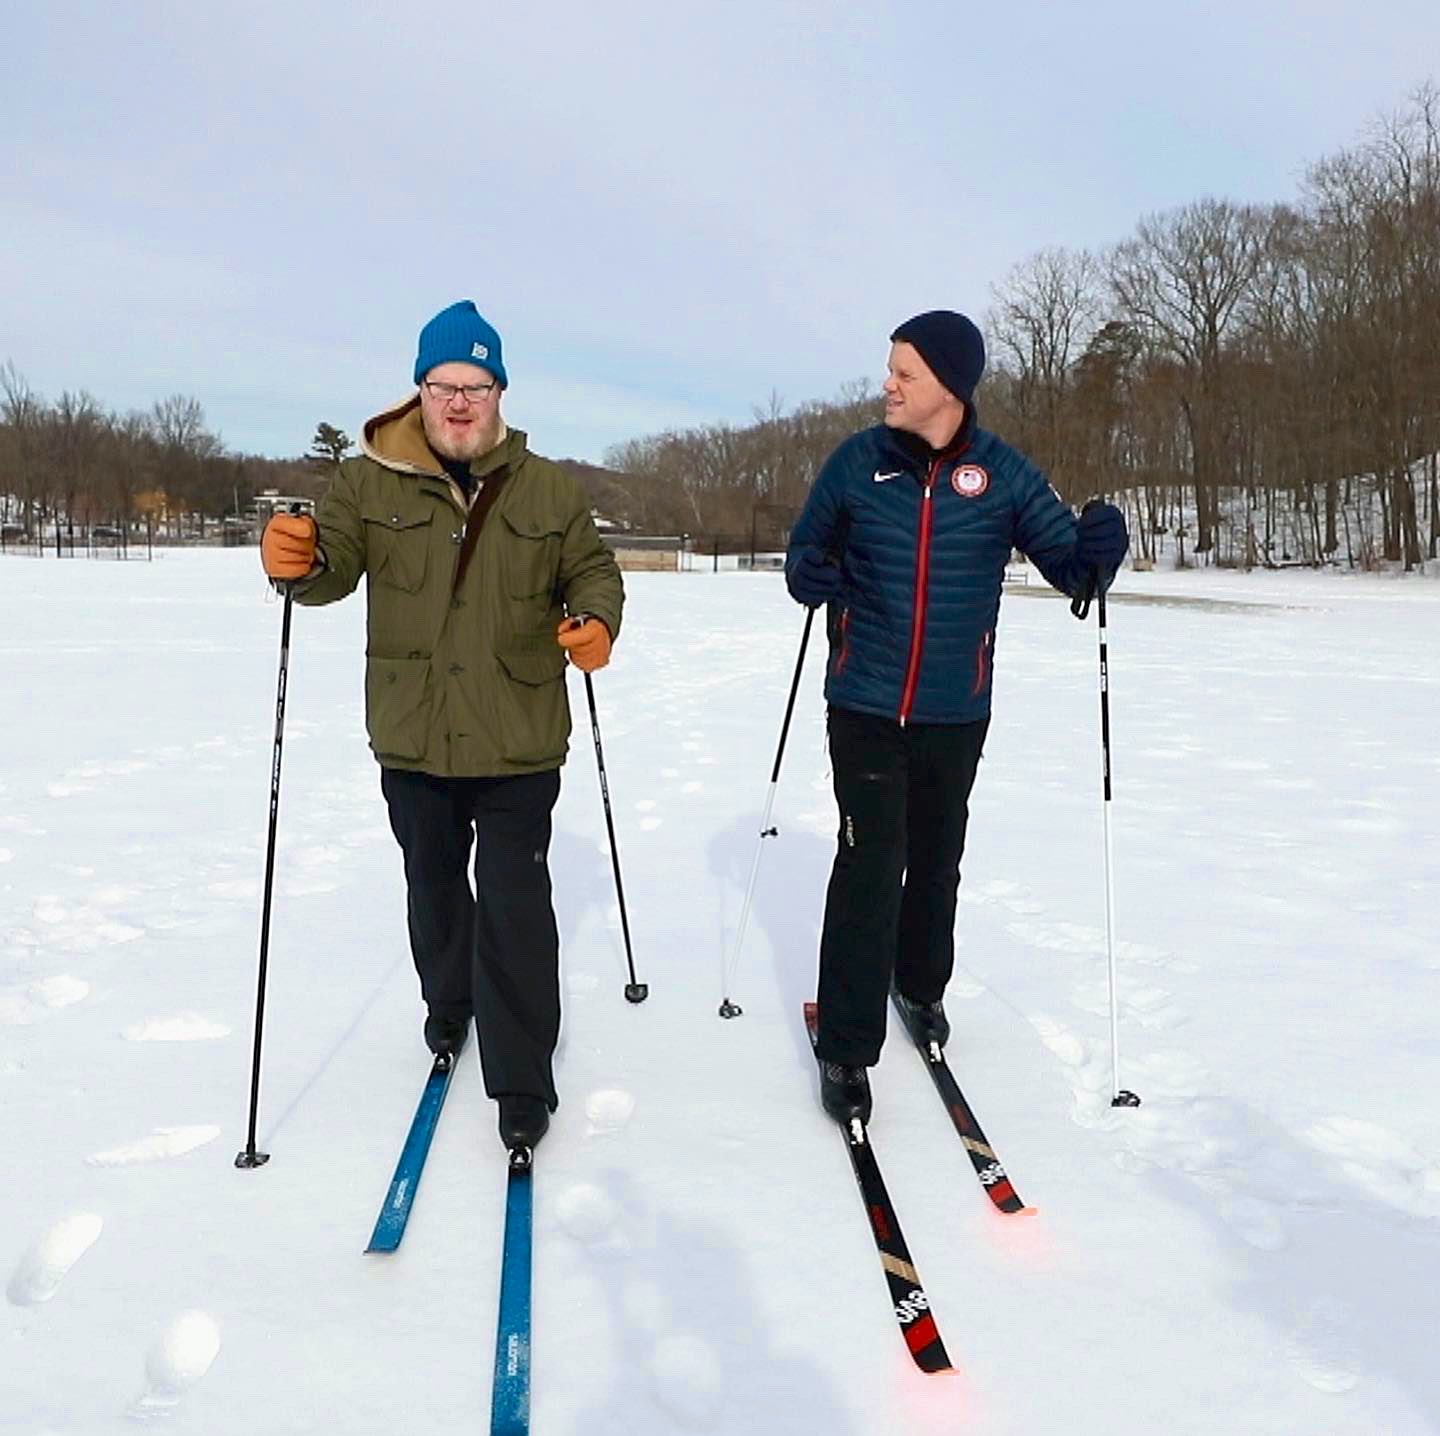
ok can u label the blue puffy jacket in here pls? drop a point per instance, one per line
(923, 539)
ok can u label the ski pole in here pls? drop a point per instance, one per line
(767, 830)
(634, 991)
(1080, 608)
(250, 1157)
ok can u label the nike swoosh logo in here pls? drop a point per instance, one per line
(880, 478)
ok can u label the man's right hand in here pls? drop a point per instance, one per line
(813, 578)
(287, 547)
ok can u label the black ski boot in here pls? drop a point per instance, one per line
(926, 1021)
(845, 1092)
(523, 1119)
(445, 1036)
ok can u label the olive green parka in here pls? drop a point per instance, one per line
(463, 674)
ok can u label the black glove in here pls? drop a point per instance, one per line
(1101, 538)
(812, 578)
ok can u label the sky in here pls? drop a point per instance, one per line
(672, 212)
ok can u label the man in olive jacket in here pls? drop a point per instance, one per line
(483, 570)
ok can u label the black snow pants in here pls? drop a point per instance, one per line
(493, 952)
(903, 795)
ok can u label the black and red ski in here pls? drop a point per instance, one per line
(912, 1306)
(992, 1175)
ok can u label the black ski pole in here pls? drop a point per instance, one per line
(634, 991)
(767, 829)
(250, 1157)
(1080, 607)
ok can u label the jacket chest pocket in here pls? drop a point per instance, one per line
(531, 560)
(397, 546)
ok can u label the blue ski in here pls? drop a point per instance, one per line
(510, 1401)
(390, 1224)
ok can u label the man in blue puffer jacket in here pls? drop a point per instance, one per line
(905, 536)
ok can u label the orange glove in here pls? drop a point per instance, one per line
(287, 547)
(587, 641)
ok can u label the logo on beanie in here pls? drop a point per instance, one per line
(970, 481)
(479, 351)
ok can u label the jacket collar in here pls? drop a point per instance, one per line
(917, 453)
(395, 438)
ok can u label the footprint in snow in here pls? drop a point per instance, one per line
(608, 1110)
(182, 1027)
(1257, 1222)
(20, 1006)
(1383, 1162)
(1321, 1351)
(159, 1146)
(183, 1354)
(577, 984)
(51, 1256)
(687, 1380)
(650, 821)
(1149, 1006)
(589, 1215)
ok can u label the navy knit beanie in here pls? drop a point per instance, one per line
(460, 334)
(950, 344)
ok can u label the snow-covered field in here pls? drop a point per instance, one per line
(1253, 1250)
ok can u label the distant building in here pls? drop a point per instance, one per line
(270, 502)
(657, 552)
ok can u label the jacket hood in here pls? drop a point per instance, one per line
(395, 437)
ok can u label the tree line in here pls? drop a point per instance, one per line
(72, 463)
(1254, 383)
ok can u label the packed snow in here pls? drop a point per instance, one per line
(1253, 1249)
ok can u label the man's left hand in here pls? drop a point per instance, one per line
(587, 641)
(1101, 538)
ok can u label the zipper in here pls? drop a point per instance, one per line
(982, 662)
(922, 585)
(842, 657)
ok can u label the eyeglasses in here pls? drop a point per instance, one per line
(471, 393)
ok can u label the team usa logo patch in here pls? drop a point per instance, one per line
(970, 480)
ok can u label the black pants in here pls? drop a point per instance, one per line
(903, 795)
(494, 952)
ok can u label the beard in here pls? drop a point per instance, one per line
(463, 444)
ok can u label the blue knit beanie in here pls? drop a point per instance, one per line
(950, 344)
(460, 334)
